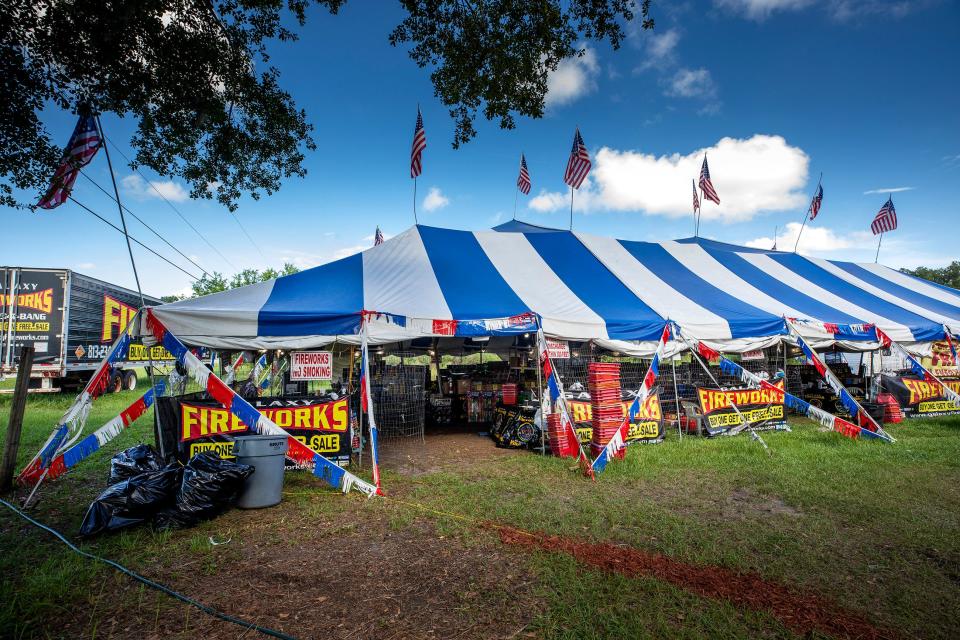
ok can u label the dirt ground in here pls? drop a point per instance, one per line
(301, 574)
(438, 451)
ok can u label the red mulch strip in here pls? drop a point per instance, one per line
(801, 612)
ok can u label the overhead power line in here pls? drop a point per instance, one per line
(118, 229)
(170, 204)
(249, 237)
(140, 220)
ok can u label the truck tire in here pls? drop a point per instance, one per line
(129, 380)
(116, 383)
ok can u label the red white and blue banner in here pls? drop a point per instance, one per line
(74, 419)
(558, 401)
(830, 421)
(366, 404)
(857, 412)
(619, 439)
(297, 451)
(918, 369)
(70, 458)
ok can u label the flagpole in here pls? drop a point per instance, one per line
(797, 244)
(877, 258)
(415, 221)
(133, 263)
(571, 207)
(516, 194)
(123, 219)
(699, 213)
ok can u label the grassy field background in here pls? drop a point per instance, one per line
(873, 527)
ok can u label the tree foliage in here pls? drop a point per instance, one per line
(196, 77)
(217, 282)
(948, 275)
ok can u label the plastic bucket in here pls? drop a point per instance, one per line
(265, 454)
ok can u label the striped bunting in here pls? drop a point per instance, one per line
(856, 411)
(300, 453)
(619, 439)
(96, 440)
(559, 402)
(829, 421)
(918, 369)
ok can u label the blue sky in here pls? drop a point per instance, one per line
(776, 91)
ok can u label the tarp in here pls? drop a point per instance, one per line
(432, 281)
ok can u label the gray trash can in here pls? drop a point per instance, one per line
(265, 455)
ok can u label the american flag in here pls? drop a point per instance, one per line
(696, 200)
(80, 150)
(579, 164)
(419, 144)
(816, 202)
(523, 181)
(378, 237)
(886, 219)
(709, 193)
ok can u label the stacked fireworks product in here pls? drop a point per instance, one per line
(603, 379)
(560, 444)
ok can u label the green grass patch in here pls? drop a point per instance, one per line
(869, 525)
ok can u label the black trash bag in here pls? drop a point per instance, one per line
(132, 501)
(208, 487)
(133, 461)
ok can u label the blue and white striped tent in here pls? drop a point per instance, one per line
(429, 281)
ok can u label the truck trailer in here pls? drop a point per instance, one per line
(72, 321)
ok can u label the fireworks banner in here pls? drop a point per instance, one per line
(647, 425)
(762, 408)
(919, 398)
(919, 370)
(257, 422)
(841, 426)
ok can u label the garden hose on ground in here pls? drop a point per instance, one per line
(150, 583)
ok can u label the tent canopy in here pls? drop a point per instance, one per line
(441, 282)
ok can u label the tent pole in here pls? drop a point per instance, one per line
(676, 395)
(543, 418)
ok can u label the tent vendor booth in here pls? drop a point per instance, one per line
(627, 309)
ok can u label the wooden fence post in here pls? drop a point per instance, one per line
(15, 425)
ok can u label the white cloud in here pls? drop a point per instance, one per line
(435, 200)
(814, 239)
(86, 265)
(761, 9)
(547, 201)
(660, 49)
(691, 83)
(572, 79)
(140, 189)
(760, 173)
(838, 10)
(889, 190)
(696, 84)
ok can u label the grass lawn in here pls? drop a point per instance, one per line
(871, 527)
